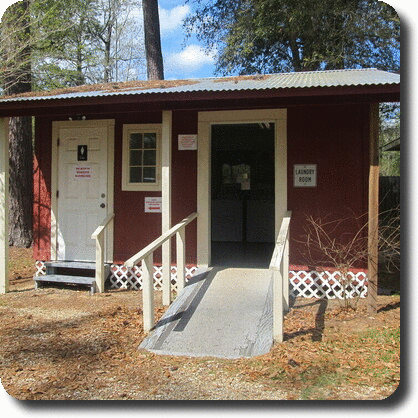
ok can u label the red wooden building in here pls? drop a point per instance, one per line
(238, 151)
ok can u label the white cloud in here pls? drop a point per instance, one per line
(190, 59)
(4, 4)
(173, 18)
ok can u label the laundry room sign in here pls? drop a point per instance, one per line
(304, 175)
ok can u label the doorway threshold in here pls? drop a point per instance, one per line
(242, 254)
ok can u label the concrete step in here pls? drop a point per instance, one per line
(66, 279)
(70, 272)
(71, 268)
(82, 265)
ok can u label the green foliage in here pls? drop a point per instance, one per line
(60, 51)
(74, 42)
(15, 68)
(390, 161)
(267, 36)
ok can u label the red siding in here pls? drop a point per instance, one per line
(134, 229)
(184, 180)
(336, 139)
(143, 228)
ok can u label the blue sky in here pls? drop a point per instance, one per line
(181, 61)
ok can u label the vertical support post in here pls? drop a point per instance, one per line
(148, 293)
(286, 275)
(204, 159)
(373, 252)
(277, 305)
(181, 258)
(100, 279)
(4, 205)
(166, 203)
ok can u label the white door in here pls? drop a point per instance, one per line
(82, 189)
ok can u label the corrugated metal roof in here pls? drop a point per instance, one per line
(299, 80)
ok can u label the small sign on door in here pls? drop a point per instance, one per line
(82, 153)
(83, 172)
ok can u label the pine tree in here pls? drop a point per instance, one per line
(155, 68)
(17, 79)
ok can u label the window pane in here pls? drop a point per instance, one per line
(135, 175)
(136, 158)
(150, 158)
(135, 141)
(149, 175)
(150, 140)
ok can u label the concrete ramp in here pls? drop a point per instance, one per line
(224, 312)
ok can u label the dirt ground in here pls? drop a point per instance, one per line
(62, 343)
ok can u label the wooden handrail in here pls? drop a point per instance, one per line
(279, 267)
(149, 249)
(146, 255)
(101, 228)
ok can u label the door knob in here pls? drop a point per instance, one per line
(102, 205)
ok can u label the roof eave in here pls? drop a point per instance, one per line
(365, 93)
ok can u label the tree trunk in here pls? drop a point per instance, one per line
(21, 182)
(17, 79)
(107, 65)
(155, 69)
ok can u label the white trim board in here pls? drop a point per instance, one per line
(205, 121)
(4, 205)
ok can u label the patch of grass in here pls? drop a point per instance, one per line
(321, 386)
(318, 370)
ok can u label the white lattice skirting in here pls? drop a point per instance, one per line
(308, 284)
(327, 284)
(122, 277)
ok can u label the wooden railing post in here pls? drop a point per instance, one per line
(181, 258)
(148, 292)
(286, 275)
(277, 306)
(99, 237)
(279, 266)
(100, 270)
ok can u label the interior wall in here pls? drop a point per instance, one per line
(243, 183)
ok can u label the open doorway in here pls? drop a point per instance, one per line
(243, 194)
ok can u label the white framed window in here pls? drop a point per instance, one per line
(141, 157)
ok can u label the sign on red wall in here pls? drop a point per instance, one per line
(153, 205)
